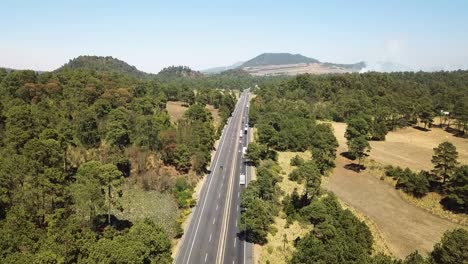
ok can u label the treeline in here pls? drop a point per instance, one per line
(448, 178)
(68, 141)
(260, 202)
(285, 124)
(390, 100)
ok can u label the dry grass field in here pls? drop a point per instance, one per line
(404, 226)
(284, 159)
(175, 110)
(215, 114)
(408, 147)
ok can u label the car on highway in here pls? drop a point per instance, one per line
(242, 179)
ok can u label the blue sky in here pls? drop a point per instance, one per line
(43, 35)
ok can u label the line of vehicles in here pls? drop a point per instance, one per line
(245, 130)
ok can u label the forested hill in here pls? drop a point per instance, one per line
(173, 72)
(277, 59)
(102, 64)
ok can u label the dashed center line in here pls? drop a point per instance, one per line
(210, 237)
(206, 256)
(214, 220)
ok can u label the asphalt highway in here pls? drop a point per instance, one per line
(212, 235)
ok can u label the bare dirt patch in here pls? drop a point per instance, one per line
(175, 110)
(294, 69)
(404, 226)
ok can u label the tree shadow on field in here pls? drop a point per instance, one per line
(348, 155)
(100, 222)
(355, 167)
(421, 128)
(456, 133)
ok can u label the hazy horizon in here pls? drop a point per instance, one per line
(427, 35)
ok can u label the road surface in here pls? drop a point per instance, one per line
(212, 235)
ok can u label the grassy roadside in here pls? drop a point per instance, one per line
(279, 247)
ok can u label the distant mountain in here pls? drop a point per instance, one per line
(104, 64)
(173, 72)
(215, 70)
(277, 59)
(268, 64)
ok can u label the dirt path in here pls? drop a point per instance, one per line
(405, 227)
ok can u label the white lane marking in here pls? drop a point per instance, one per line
(219, 195)
(214, 220)
(216, 207)
(236, 223)
(235, 240)
(206, 256)
(244, 250)
(238, 195)
(210, 237)
(222, 185)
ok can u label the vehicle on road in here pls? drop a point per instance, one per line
(244, 151)
(242, 179)
(240, 134)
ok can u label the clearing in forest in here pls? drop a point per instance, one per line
(176, 110)
(215, 114)
(404, 227)
(408, 147)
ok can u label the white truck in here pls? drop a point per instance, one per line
(240, 134)
(242, 179)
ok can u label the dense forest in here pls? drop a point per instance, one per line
(285, 113)
(386, 100)
(71, 140)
